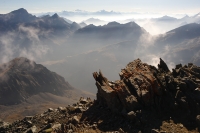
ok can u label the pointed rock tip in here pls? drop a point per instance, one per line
(163, 66)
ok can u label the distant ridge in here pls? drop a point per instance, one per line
(21, 11)
(22, 78)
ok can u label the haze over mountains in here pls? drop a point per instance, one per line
(26, 35)
(74, 52)
(154, 23)
(166, 23)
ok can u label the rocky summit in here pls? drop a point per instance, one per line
(21, 78)
(146, 99)
(148, 95)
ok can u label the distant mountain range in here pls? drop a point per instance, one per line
(46, 27)
(26, 34)
(166, 23)
(12, 21)
(82, 24)
(81, 13)
(153, 25)
(181, 44)
(75, 50)
(175, 36)
(95, 21)
(93, 37)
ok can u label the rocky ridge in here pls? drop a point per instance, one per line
(144, 91)
(145, 99)
(21, 78)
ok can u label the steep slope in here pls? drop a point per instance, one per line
(179, 45)
(11, 20)
(22, 78)
(178, 35)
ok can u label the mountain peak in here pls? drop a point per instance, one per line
(19, 16)
(20, 63)
(20, 11)
(55, 16)
(25, 78)
(167, 17)
(114, 23)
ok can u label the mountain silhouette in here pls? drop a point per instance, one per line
(111, 33)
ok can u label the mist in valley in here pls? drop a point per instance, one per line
(75, 53)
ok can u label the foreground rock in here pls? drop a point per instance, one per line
(147, 95)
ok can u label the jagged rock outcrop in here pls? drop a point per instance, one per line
(21, 78)
(138, 87)
(144, 87)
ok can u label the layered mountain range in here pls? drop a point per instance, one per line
(25, 32)
(12, 21)
(73, 52)
(166, 23)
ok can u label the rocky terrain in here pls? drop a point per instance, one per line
(148, 96)
(146, 99)
(27, 88)
(37, 103)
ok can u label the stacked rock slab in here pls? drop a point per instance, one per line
(145, 86)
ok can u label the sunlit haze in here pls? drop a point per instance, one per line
(142, 6)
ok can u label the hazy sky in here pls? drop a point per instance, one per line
(156, 6)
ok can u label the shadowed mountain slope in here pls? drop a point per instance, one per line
(22, 78)
(173, 37)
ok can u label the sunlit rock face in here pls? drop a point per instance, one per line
(142, 86)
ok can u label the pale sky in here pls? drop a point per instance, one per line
(141, 6)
